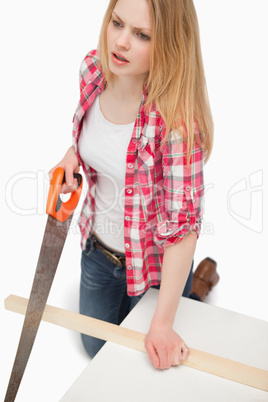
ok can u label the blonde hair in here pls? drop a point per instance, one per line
(176, 81)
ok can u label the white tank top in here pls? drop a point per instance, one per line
(103, 146)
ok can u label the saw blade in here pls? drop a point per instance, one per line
(51, 249)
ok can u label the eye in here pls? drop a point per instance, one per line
(116, 24)
(143, 36)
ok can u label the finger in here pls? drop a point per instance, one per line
(184, 352)
(77, 169)
(177, 357)
(180, 355)
(152, 355)
(69, 189)
(69, 177)
(64, 189)
(164, 358)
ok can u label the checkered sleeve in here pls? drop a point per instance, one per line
(88, 74)
(89, 69)
(183, 191)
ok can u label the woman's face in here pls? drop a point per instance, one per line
(129, 39)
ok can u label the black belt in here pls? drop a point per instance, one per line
(118, 260)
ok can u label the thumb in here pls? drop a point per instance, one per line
(50, 173)
(69, 178)
(152, 354)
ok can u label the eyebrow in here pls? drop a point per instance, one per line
(136, 28)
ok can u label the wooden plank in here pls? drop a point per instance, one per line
(216, 365)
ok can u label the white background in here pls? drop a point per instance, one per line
(42, 45)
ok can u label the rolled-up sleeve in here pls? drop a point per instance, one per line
(183, 192)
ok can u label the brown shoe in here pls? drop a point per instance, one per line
(204, 278)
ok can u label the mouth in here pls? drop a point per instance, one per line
(119, 57)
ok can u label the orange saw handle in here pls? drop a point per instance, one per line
(55, 207)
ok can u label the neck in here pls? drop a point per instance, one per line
(126, 89)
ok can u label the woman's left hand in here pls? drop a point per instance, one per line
(165, 347)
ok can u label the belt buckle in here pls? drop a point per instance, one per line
(110, 256)
(115, 260)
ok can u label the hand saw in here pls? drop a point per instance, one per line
(58, 222)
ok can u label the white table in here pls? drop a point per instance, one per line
(125, 375)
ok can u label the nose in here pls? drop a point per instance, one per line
(123, 40)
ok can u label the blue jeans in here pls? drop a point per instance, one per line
(103, 292)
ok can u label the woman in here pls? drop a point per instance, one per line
(142, 131)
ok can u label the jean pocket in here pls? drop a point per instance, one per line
(89, 247)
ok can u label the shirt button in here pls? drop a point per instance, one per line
(129, 191)
(130, 165)
(134, 141)
(129, 267)
(127, 245)
(127, 218)
(188, 188)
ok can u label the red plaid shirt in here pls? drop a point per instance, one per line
(163, 196)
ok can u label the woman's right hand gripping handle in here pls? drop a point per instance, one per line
(70, 165)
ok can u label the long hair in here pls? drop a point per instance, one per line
(176, 81)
